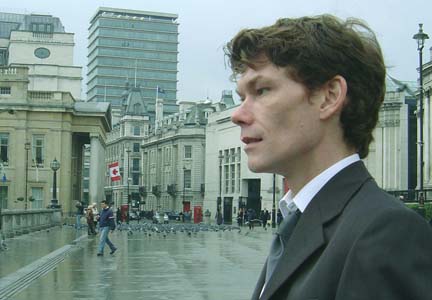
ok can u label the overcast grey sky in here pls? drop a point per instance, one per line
(205, 27)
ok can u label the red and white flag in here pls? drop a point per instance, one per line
(114, 171)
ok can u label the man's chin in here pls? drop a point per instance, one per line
(256, 167)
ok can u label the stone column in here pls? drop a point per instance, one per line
(97, 169)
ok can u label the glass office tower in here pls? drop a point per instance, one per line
(133, 49)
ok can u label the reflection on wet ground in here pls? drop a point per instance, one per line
(204, 265)
(25, 249)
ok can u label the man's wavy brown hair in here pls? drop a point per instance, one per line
(316, 49)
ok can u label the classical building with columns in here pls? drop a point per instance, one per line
(427, 134)
(392, 158)
(42, 119)
(38, 127)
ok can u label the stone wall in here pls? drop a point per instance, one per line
(17, 222)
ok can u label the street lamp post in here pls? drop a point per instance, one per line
(27, 148)
(420, 37)
(128, 151)
(274, 202)
(184, 186)
(219, 200)
(55, 165)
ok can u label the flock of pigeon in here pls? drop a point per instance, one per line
(163, 230)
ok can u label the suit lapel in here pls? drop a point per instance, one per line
(308, 235)
(260, 283)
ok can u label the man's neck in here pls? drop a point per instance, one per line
(298, 179)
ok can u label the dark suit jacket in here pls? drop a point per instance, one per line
(354, 241)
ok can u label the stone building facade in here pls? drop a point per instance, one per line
(42, 118)
(164, 159)
(37, 127)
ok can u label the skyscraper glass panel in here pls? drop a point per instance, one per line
(135, 47)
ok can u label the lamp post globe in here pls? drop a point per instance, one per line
(55, 165)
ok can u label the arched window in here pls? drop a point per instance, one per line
(137, 108)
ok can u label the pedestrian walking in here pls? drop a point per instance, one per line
(90, 221)
(219, 217)
(251, 216)
(79, 213)
(279, 217)
(118, 216)
(106, 224)
(95, 214)
(267, 218)
(240, 217)
(207, 216)
(311, 90)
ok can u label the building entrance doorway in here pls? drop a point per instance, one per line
(227, 210)
(254, 195)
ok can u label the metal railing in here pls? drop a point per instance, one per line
(412, 195)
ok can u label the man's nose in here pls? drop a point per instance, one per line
(241, 115)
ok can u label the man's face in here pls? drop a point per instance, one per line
(103, 205)
(279, 121)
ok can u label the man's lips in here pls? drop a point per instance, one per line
(248, 140)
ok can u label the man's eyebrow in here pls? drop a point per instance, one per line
(251, 82)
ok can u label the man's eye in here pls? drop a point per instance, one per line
(262, 91)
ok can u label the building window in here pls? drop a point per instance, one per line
(226, 156)
(4, 145)
(3, 57)
(188, 151)
(136, 130)
(37, 194)
(187, 177)
(167, 155)
(86, 184)
(232, 155)
(238, 178)
(232, 167)
(3, 196)
(5, 90)
(42, 27)
(227, 179)
(38, 149)
(135, 164)
(135, 178)
(86, 172)
(136, 147)
(137, 108)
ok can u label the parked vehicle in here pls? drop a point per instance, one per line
(173, 216)
(133, 216)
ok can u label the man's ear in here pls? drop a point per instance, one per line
(335, 96)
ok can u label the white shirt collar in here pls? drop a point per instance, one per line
(306, 194)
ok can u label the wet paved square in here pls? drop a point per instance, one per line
(202, 265)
